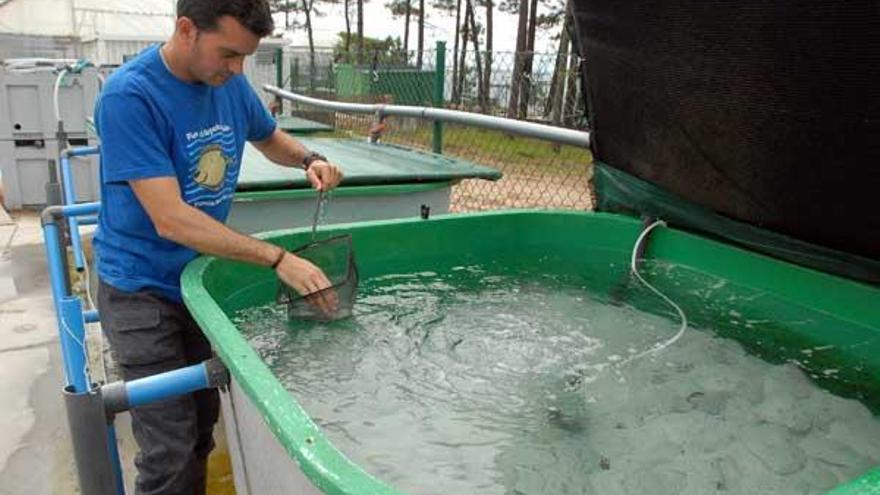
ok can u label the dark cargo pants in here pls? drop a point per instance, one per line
(149, 334)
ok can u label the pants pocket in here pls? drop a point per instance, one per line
(138, 334)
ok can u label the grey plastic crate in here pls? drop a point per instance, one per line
(28, 133)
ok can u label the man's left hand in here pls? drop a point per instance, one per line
(324, 176)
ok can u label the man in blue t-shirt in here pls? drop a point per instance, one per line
(173, 124)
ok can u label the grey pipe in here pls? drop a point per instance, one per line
(115, 398)
(528, 129)
(88, 432)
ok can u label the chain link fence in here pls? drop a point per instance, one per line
(536, 174)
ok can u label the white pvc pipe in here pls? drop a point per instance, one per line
(36, 63)
(55, 105)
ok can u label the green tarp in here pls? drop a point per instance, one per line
(298, 125)
(618, 191)
(363, 163)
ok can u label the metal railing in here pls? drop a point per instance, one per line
(527, 129)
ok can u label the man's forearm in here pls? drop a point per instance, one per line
(198, 231)
(283, 149)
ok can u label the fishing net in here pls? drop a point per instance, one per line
(335, 257)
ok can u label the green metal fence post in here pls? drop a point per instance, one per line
(279, 77)
(439, 80)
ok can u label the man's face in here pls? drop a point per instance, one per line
(215, 56)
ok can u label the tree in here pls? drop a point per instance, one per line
(308, 10)
(403, 8)
(465, 30)
(522, 7)
(421, 47)
(487, 75)
(553, 106)
(526, 78)
(383, 48)
(529, 21)
(475, 39)
(449, 6)
(360, 31)
(571, 103)
(346, 8)
(406, 28)
(287, 7)
(307, 6)
(347, 28)
(456, 89)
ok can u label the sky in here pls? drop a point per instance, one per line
(378, 23)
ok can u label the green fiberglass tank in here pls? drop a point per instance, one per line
(786, 354)
(381, 181)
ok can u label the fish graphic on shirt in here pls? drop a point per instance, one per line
(211, 170)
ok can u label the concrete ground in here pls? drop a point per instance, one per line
(35, 450)
(36, 456)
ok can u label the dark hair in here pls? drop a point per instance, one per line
(254, 15)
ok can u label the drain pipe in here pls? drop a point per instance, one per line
(560, 135)
(90, 433)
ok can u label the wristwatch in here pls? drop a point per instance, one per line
(310, 157)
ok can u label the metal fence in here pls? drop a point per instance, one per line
(536, 174)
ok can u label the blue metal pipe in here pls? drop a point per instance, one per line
(115, 459)
(81, 209)
(165, 385)
(68, 310)
(88, 220)
(76, 244)
(71, 320)
(73, 343)
(67, 180)
(83, 151)
(56, 267)
(54, 251)
(91, 316)
(69, 189)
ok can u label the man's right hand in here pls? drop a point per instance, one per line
(306, 278)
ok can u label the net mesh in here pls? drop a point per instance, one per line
(335, 257)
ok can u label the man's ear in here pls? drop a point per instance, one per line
(186, 28)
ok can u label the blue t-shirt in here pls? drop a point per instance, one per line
(152, 124)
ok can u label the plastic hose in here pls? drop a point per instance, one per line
(633, 266)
